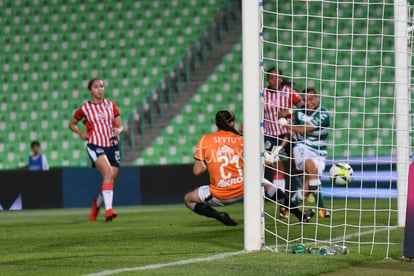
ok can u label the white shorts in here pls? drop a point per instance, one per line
(206, 197)
(301, 153)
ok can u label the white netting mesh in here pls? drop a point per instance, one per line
(345, 50)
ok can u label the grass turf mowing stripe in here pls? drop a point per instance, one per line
(215, 257)
(155, 266)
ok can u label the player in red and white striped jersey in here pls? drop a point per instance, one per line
(279, 98)
(103, 125)
(99, 119)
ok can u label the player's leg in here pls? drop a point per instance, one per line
(279, 176)
(290, 177)
(312, 171)
(278, 172)
(268, 144)
(306, 189)
(199, 201)
(109, 174)
(274, 174)
(99, 201)
(279, 181)
(96, 202)
(113, 155)
(299, 158)
(298, 183)
(292, 181)
(278, 195)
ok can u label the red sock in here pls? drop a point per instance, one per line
(107, 186)
(278, 176)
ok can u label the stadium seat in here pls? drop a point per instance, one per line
(223, 88)
(130, 44)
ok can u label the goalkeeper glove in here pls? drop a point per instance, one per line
(273, 156)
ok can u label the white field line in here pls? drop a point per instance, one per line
(356, 234)
(214, 257)
(182, 262)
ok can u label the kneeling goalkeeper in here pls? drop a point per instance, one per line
(221, 154)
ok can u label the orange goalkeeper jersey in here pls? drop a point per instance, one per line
(222, 152)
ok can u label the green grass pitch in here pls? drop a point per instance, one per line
(171, 238)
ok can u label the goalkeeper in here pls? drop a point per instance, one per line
(310, 129)
(221, 155)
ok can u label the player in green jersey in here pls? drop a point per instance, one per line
(310, 128)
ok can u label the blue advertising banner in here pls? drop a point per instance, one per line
(81, 185)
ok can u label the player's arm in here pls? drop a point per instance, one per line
(118, 128)
(199, 167)
(289, 112)
(301, 129)
(297, 100)
(300, 104)
(285, 140)
(285, 113)
(73, 125)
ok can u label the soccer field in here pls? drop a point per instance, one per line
(156, 240)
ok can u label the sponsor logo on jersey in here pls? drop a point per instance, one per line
(230, 182)
(101, 116)
(225, 150)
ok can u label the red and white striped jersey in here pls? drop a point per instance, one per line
(274, 101)
(99, 121)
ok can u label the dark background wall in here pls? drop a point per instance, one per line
(76, 187)
(168, 184)
(35, 189)
(81, 185)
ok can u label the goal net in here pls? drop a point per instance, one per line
(355, 55)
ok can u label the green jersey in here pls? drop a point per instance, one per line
(317, 139)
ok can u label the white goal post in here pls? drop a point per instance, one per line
(253, 225)
(402, 101)
(357, 54)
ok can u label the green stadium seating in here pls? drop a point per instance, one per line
(53, 52)
(355, 85)
(53, 49)
(221, 90)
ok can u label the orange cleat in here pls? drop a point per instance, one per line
(94, 211)
(283, 213)
(324, 213)
(110, 214)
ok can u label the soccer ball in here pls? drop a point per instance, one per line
(341, 174)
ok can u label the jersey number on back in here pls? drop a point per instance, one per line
(226, 161)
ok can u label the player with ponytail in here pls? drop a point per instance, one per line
(279, 97)
(103, 126)
(221, 155)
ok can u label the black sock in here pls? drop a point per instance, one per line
(291, 180)
(282, 198)
(205, 210)
(296, 212)
(293, 208)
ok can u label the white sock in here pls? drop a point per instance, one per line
(107, 197)
(280, 183)
(298, 196)
(271, 191)
(314, 182)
